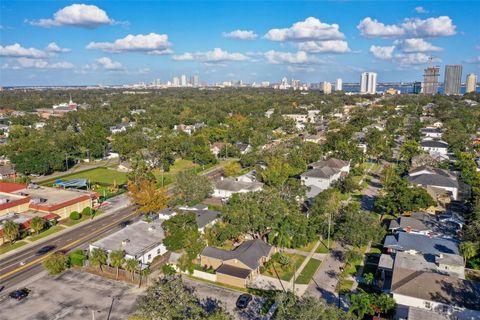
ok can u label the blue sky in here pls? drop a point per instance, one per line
(110, 42)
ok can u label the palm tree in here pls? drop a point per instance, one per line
(131, 265)
(117, 259)
(98, 257)
(468, 250)
(361, 304)
(37, 224)
(144, 273)
(11, 230)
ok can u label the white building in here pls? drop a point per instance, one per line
(430, 132)
(323, 174)
(326, 87)
(436, 148)
(471, 83)
(204, 217)
(226, 187)
(183, 80)
(142, 241)
(338, 85)
(368, 82)
(175, 82)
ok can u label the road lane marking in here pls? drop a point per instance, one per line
(71, 244)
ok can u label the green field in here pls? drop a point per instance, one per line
(179, 165)
(308, 272)
(4, 248)
(47, 232)
(97, 175)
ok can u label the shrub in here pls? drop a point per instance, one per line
(75, 215)
(87, 211)
(168, 270)
(77, 258)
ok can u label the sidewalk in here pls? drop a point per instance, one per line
(66, 229)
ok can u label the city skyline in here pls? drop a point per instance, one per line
(54, 43)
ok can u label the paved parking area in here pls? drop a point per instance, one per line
(73, 295)
(226, 298)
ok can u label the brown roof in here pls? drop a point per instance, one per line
(436, 287)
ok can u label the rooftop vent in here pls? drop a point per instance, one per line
(125, 242)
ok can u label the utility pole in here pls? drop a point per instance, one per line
(329, 223)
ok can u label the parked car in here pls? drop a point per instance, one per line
(243, 300)
(19, 294)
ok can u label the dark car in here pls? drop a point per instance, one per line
(243, 301)
(45, 249)
(19, 294)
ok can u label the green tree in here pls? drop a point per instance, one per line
(11, 231)
(191, 188)
(170, 299)
(277, 172)
(232, 169)
(117, 259)
(98, 257)
(131, 265)
(383, 303)
(37, 224)
(369, 278)
(468, 249)
(361, 304)
(56, 263)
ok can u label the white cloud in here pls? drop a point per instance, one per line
(240, 35)
(414, 27)
(312, 29)
(29, 63)
(329, 46)
(54, 48)
(384, 53)
(421, 10)
(475, 60)
(214, 56)
(296, 58)
(416, 45)
(413, 58)
(16, 50)
(151, 43)
(108, 64)
(371, 28)
(78, 15)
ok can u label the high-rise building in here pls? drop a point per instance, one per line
(183, 80)
(471, 83)
(175, 82)
(195, 80)
(453, 78)
(326, 87)
(417, 87)
(295, 84)
(368, 82)
(338, 85)
(430, 80)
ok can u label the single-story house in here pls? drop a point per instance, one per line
(203, 215)
(226, 187)
(141, 240)
(121, 127)
(436, 148)
(238, 266)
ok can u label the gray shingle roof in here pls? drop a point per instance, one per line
(236, 186)
(332, 163)
(434, 180)
(404, 241)
(204, 217)
(433, 144)
(249, 253)
(324, 173)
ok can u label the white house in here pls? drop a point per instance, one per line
(122, 127)
(436, 148)
(204, 216)
(430, 132)
(141, 240)
(438, 181)
(226, 187)
(323, 174)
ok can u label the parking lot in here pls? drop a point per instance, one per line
(73, 295)
(226, 298)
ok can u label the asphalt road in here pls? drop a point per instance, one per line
(12, 272)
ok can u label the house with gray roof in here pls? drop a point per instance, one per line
(436, 148)
(203, 215)
(323, 174)
(226, 187)
(425, 224)
(404, 241)
(237, 267)
(438, 181)
(142, 241)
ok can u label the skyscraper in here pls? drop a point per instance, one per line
(338, 85)
(368, 82)
(471, 83)
(430, 80)
(326, 87)
(453, 78)
(195, 80)
(183, 80)
(417, 87)
(175, 82)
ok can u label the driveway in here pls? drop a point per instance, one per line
(226, 298)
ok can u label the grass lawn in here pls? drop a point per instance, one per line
(97, 175)
(346, 286)
(68, 222)
(179, 165)
(47, 232)
(375, 250)
(308, 247)
(322, 248)
(286, 275)
(4, 248)
(308, 272)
